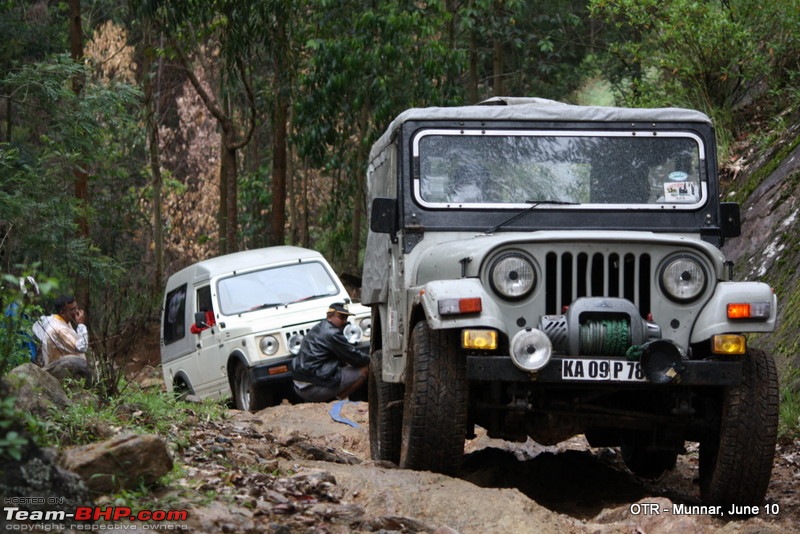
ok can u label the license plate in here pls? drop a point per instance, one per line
(599, 369)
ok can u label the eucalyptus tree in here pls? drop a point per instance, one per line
(365, 62)
(242, 33)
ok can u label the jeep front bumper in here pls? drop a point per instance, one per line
(615, 371)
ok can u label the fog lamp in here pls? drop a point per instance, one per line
(479, 339)
(729, 344)
(531, 349)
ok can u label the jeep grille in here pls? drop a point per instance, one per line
(569, 276)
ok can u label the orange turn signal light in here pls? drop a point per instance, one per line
(458, 306)
(748, 310)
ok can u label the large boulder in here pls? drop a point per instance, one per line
(125, 461)
(30, 476)
(36, 391)
(72, 367)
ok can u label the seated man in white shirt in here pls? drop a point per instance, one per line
(57, 334)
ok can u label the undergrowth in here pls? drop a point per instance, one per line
(139, 410)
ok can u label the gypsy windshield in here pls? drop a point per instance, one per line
(278, 286)
(504, 169)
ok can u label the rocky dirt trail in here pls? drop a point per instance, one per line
(294, 469)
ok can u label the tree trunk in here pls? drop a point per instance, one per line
(472, 79)
(228, 190)
(151, 96)
(279, 170)
(80, 176)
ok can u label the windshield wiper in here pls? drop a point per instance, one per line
(533, 205)
(267, 305)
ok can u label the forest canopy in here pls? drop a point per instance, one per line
(138, 137)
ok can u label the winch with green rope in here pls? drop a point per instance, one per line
(599, 326)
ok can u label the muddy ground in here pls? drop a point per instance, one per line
(294, 469)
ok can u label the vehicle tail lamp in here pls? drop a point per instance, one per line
(728, 344)
(460, 306)
(748, 310)
(479, 339)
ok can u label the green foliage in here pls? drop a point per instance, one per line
(12, 443)
(789, 426)
(92, 132)
(708, 55)
(139, 410)
(21, 308)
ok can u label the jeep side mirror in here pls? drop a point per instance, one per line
(200, 319)
(730, 219)
(383, 219)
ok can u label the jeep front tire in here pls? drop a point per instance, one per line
(736, 455)
(385, 413)
(435, 402)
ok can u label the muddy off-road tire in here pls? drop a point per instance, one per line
(736, 459)
(435, 402)
(385, 413)
(642, 460)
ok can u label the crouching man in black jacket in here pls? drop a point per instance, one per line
(328, 366)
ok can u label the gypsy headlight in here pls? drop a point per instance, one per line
(352, 333)
(366, 326)
(269, 345)
(512, 276)
(683, 278)
(294, 343)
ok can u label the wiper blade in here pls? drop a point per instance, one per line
(267, 305)
(533, 205)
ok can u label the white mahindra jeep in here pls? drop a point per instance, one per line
(232, 325)
(546, 270)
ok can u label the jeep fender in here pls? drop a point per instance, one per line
(713, 319)
(429, 295)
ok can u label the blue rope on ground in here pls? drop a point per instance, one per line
(336, 413)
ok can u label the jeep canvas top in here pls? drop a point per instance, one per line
(544, 270)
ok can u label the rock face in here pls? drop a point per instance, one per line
(33, 481)
(769, 248)
(36, 391)
(123, 462)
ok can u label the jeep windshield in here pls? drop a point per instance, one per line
(559, 169)
(278, 286)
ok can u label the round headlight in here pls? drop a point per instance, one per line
(512, 276)
(531, 349)
(366, 326)
(683, 278)
(294, 343)
(352, 333)
(269, 345)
